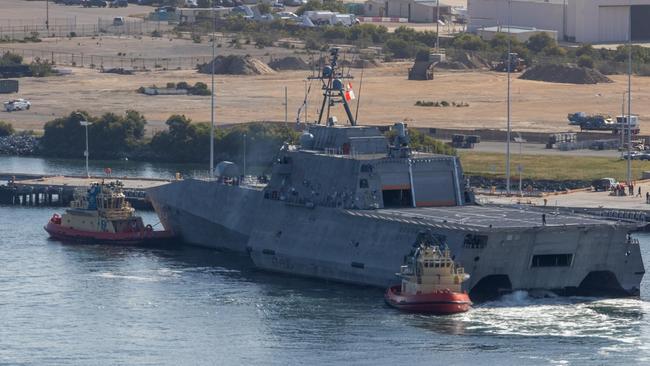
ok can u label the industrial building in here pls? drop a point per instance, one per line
(585, 21)
(416, 11)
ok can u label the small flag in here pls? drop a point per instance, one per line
(349, 93)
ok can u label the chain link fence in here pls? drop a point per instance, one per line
(108, 62)
(19, 30)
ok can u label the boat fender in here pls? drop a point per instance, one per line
(149, 227)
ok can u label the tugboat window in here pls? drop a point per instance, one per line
(552, 260)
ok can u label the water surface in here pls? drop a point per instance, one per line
(64, 304)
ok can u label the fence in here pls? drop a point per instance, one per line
(108, 62)
(67, 27)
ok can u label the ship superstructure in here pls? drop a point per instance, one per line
(347, 203)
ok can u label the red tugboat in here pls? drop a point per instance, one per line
(431, 283)
(102, 215)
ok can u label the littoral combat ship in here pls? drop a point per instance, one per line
(348, 202)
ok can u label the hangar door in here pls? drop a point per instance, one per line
(434, 189)
(613, 23)
(641, 22)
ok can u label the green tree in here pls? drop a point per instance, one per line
(586, 49)
(469, 42)
(110, 136)
(586, 61)
(539, 42)
(264, 8)
(6, 129)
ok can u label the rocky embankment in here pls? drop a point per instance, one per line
(18, 145)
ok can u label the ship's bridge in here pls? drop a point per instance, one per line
(355, 167)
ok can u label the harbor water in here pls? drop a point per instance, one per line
(67, 304)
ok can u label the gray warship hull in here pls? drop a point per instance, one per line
(503, 248)
(349, 202)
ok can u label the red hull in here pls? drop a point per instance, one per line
(441, 302)
(57, 231)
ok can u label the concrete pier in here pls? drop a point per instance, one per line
(43, 190)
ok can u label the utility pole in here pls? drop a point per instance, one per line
(47, 15)
(629, 97)
(212, 100)
(508, 104)
(305, 81)
(437, 26)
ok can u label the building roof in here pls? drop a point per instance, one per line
(513, 29)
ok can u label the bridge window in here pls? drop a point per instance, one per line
(552, 260)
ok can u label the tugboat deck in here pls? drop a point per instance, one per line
(475, 218)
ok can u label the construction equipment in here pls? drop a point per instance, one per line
(517, 64)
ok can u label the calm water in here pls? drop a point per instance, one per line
(63, 304)
(33, 165)
(73, 304)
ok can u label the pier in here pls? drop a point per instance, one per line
(52, 190)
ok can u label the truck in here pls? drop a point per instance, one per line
(603, 122)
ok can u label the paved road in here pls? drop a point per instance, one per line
(539, 149)
(585, 199)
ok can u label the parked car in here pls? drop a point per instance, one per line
(97, 3)
(72, 2)
(604, 184)
(278, 5)
(17, 105)
(119, 4)
(118, 21)
(634, 155)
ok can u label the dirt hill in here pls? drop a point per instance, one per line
(565, 74)
(236, 65)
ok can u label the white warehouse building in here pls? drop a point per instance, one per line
(585, 21)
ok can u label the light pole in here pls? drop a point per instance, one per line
(437, 25)
(86, 152)
(629, 97)
(508, 105)
(212, 100)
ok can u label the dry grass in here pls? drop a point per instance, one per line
(550, 167)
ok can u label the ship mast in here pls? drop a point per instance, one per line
(334, 88)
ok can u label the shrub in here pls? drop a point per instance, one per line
(586, 61)
(469, 42)
(6, 129)
(586, 49)
(539, 42)
(41, 68)
(156, 34)
(10, 59)
(171, 85)
(422, 54)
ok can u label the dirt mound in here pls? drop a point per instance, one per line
(565, 74)
(236, 65)
(471, 61)
(289, 63)
(451, 65)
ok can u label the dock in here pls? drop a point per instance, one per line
(605, 204)
(57, 190)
